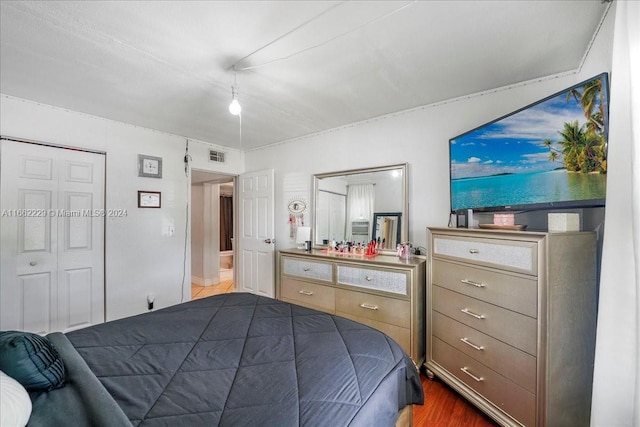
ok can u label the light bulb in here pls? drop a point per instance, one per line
(234, 107)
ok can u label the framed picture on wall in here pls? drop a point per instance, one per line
(149, 199)
(149, 166)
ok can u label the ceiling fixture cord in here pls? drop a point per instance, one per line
(379, 18)
(187, 159)
(234, 108)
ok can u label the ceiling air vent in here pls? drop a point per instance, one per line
(216, 156)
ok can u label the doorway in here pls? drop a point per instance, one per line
(212, 231)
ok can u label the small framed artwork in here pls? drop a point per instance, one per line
(149, 199)
(149, 166)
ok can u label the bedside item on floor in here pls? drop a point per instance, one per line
(559, 222)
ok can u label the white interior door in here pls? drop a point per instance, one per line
(52, 231)
(256, 242)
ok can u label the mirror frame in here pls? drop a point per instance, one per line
(404, 167)
(397, 215)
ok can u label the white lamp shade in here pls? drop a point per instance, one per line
(303, 234)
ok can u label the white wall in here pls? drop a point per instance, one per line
(419, 137)
(140, 256)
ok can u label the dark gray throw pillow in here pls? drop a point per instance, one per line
(31, 360)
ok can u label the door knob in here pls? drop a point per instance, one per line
(269, 240)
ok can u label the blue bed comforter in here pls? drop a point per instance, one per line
(244, 360)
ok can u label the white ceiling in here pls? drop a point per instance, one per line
(166, 65)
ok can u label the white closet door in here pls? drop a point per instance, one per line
(52, 231)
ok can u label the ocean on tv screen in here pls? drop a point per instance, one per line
(527, 188)
(550, 152)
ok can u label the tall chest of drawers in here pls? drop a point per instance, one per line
(385, 292)
(511, 322)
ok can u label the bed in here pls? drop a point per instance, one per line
(230, 360)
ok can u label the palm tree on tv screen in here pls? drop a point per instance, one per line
(583, 146)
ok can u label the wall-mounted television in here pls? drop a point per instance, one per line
(551, 154)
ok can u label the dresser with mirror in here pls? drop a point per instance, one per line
(383, 291)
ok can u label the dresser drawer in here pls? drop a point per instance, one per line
(505, 325)
(308, 269)
(510, 254)
(374, 307)
(514, 364)
(399, 334)
(504, 394)
(516, 293)
(308, 294)
(396, 282)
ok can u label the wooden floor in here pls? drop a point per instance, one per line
(444, 407)
(223, 287)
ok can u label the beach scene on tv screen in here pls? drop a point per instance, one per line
(551, 152)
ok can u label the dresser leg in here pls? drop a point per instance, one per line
(430, 374)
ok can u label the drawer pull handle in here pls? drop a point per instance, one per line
(368, 278)
(466, 371)
(472, 283)
(307, 293)
(474, 251)
(368, 306)
(306, 269)
(472, 314)
(472, 345)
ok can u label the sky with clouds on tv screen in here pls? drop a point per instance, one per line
(514, 143)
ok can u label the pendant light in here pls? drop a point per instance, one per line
(234, 108)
